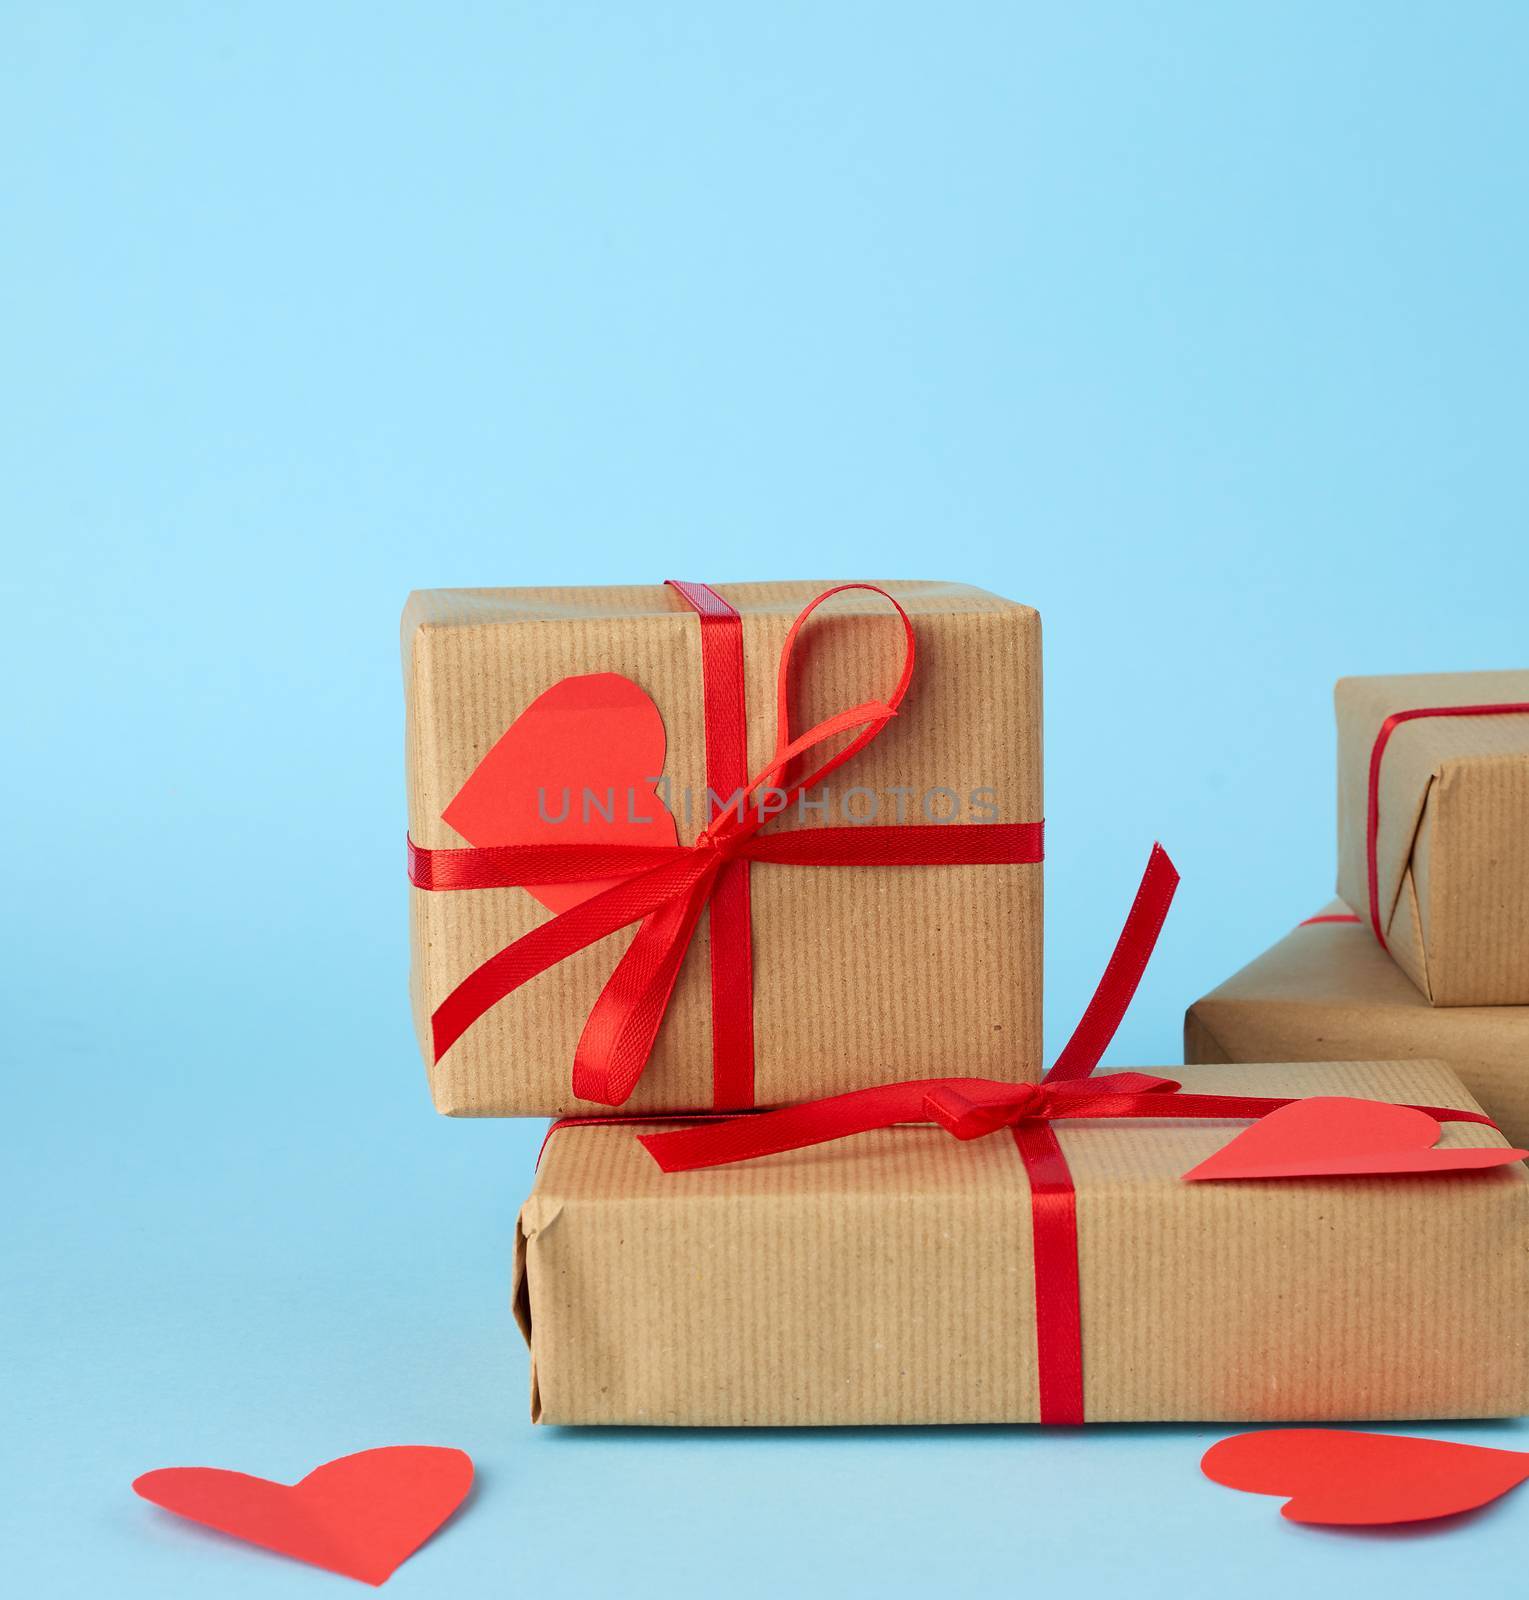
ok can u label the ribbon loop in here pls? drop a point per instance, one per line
(871, 717)
(1114, 1094)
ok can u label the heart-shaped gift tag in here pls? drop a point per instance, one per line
(1333, 1136)
(361, 1515)
(577, 766)
(1335, 1476)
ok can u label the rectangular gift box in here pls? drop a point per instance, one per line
(855, 968)
(1328, 992)
(1433, 827)
(889, 1277)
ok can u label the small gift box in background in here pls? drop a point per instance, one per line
(576, 759)
(1433, 827)
(906, 1276)
(1328, 992)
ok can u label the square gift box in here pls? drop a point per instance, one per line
(1328, 992)
(816, 939)
(1433, 827)
(890, 1277)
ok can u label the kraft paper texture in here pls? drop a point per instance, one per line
(861, 975)
(1328, 992)
(1453, 844)
(888, 1278)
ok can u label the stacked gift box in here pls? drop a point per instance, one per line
(743, 885)
(1426, 953)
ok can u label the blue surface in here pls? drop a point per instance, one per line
(1199, 327)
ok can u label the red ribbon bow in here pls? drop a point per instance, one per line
(664, 889)
(972, 1108)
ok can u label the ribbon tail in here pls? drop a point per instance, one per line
(1128, 961)
(544, 946)
(619, 1034)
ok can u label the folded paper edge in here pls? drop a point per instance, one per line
(1406, 940)
(527, 1229)
(1353, 796)
(1201, 1046)
(1405, 889)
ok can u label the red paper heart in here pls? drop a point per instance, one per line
(1332, 1136)
(1332, 1475)
(590, 746)
(362, 1515)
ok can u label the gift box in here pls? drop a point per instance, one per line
(1328, 992)
(1433, 827)
(675, 847)
(905, 1276)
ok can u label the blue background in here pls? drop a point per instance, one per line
(1199, 327)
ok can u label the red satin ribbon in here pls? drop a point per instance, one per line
(971, 1108)
(1328, 916)
(1382, 739)
(665, 889)
(727, 772)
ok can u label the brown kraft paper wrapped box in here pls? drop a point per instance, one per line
(1448, 881)
(888, 1278)
(858, 971)
(1328, 992)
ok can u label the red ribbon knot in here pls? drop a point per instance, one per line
(1115, 1094)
